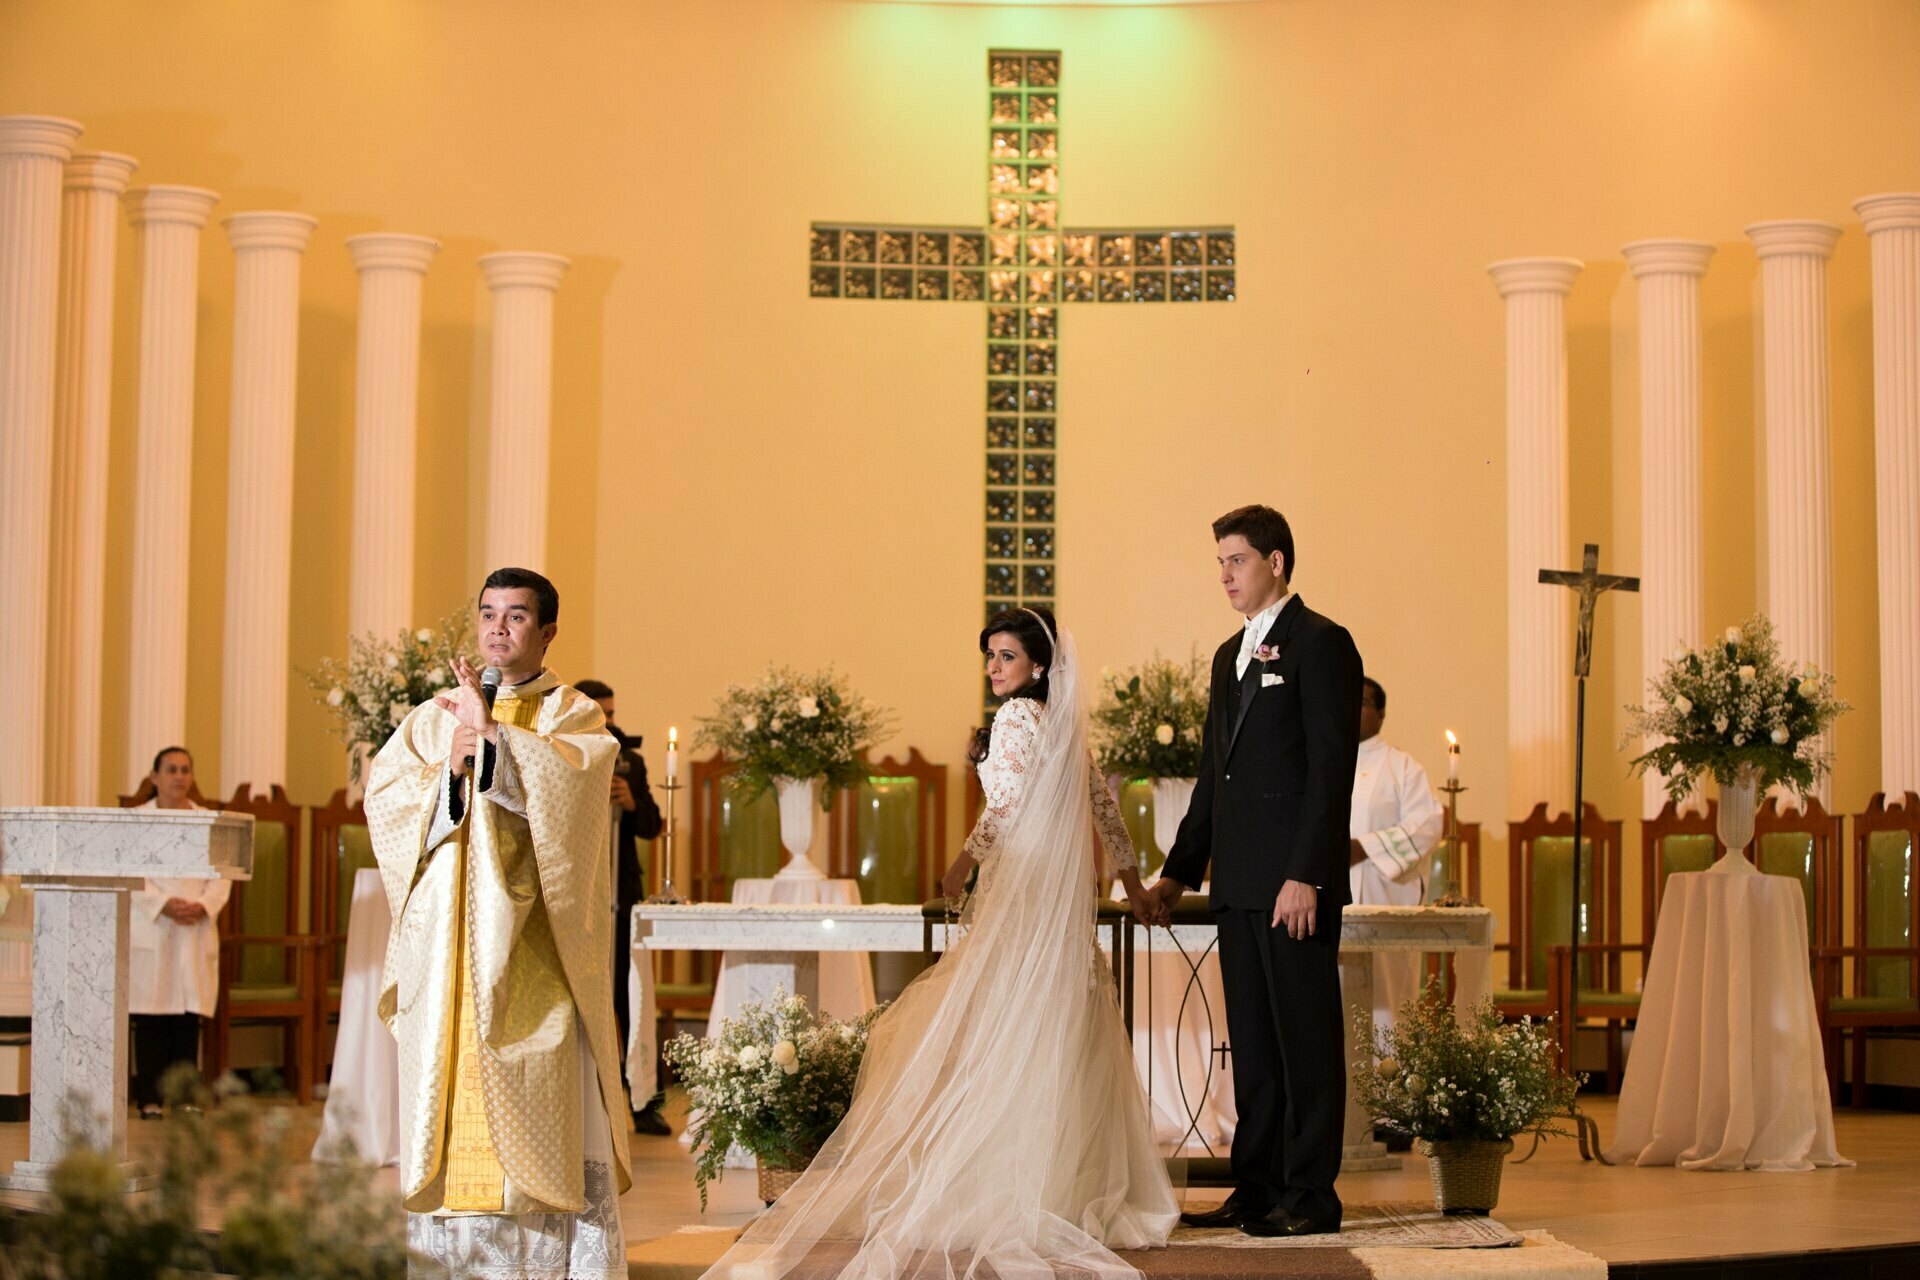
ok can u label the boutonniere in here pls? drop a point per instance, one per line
(1266, 653)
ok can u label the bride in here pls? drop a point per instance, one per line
(997, 1128)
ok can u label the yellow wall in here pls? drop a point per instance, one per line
(743, 473)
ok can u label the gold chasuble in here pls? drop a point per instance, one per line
(498, 956)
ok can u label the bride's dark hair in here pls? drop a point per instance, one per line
(1035, 635)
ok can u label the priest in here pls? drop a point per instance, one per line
(490, 825)
(1396, 823)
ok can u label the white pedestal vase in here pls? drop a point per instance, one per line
(1737, 802)
(797, 813)
(1171, 798)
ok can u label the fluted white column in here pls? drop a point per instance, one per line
(1539, 619)
(33, 152)
(266, 341)
(82, 394)
(1893, 229)
(1799, 535)
(1672, 519)
(169, 220)
(392, 271)
(518, 465)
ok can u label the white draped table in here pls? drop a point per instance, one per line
(363, 1096)
(794, 938)
(1726, 1070)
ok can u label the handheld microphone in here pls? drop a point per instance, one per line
(489, 690)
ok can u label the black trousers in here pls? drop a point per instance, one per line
(1289, 1063)
(159, 1041)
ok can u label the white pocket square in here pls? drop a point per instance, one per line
(1267, 682)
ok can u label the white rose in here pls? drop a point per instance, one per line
(424, 635)
(749, 1057)
(786, 1057)
(749, 723)
(1739, 739)
(437, 678)
(1720, 724)
(1733, 635)
(1780, 736)
(1683, 704)
(809, 708)
(1680, 653)
(1164, 735)
(1746, 674)
(336, 696)
(393, 662)
(773, 725)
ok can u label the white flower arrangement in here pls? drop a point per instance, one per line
(1733, 705)
(1149, 719)
(776, 1082)
(371, 692)
(1471, 1077)
(794, 725)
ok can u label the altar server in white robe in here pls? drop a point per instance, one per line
(1396, 823)
(174, 952)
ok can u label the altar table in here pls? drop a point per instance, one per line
(1726, 1070)
(792, 938)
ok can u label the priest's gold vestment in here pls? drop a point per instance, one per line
(512, 920)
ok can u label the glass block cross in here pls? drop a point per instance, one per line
(1024, 265)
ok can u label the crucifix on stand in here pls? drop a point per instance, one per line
(1590, 584)
(1023, 264)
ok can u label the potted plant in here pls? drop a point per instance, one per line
(1463, 1086)
(791, 732)
(1734, 710)
(775, 1082)
(1148, 726)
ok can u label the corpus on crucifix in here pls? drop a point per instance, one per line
(1024, 263)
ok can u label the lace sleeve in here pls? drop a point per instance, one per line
(1115, 843)
(1016, 727)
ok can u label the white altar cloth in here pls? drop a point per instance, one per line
(363, 1096)
(845, 979)
(1726, 1070)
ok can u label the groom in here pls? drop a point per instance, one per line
(1270, 814)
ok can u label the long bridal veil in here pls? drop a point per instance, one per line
(997, 1128)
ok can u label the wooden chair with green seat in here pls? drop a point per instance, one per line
(728, 840)
(342, 846)
(1672, 841)
(1803, 845)
(889, 833)
(268, 970)
(1884, 957)
(1540, 897)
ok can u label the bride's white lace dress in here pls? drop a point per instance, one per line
(998, 1129)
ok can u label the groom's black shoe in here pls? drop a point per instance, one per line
(1235, 1212)
(1279, 1222)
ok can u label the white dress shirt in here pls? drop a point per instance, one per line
(1257, 627)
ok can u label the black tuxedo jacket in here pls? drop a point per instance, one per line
(1276, 771)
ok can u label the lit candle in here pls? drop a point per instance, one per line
(673, 754)
(1453, 757)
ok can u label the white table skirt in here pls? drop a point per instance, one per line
(363, 1099)
(1726, 1070)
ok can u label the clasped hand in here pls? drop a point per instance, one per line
(469, 706)
(184, 911)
